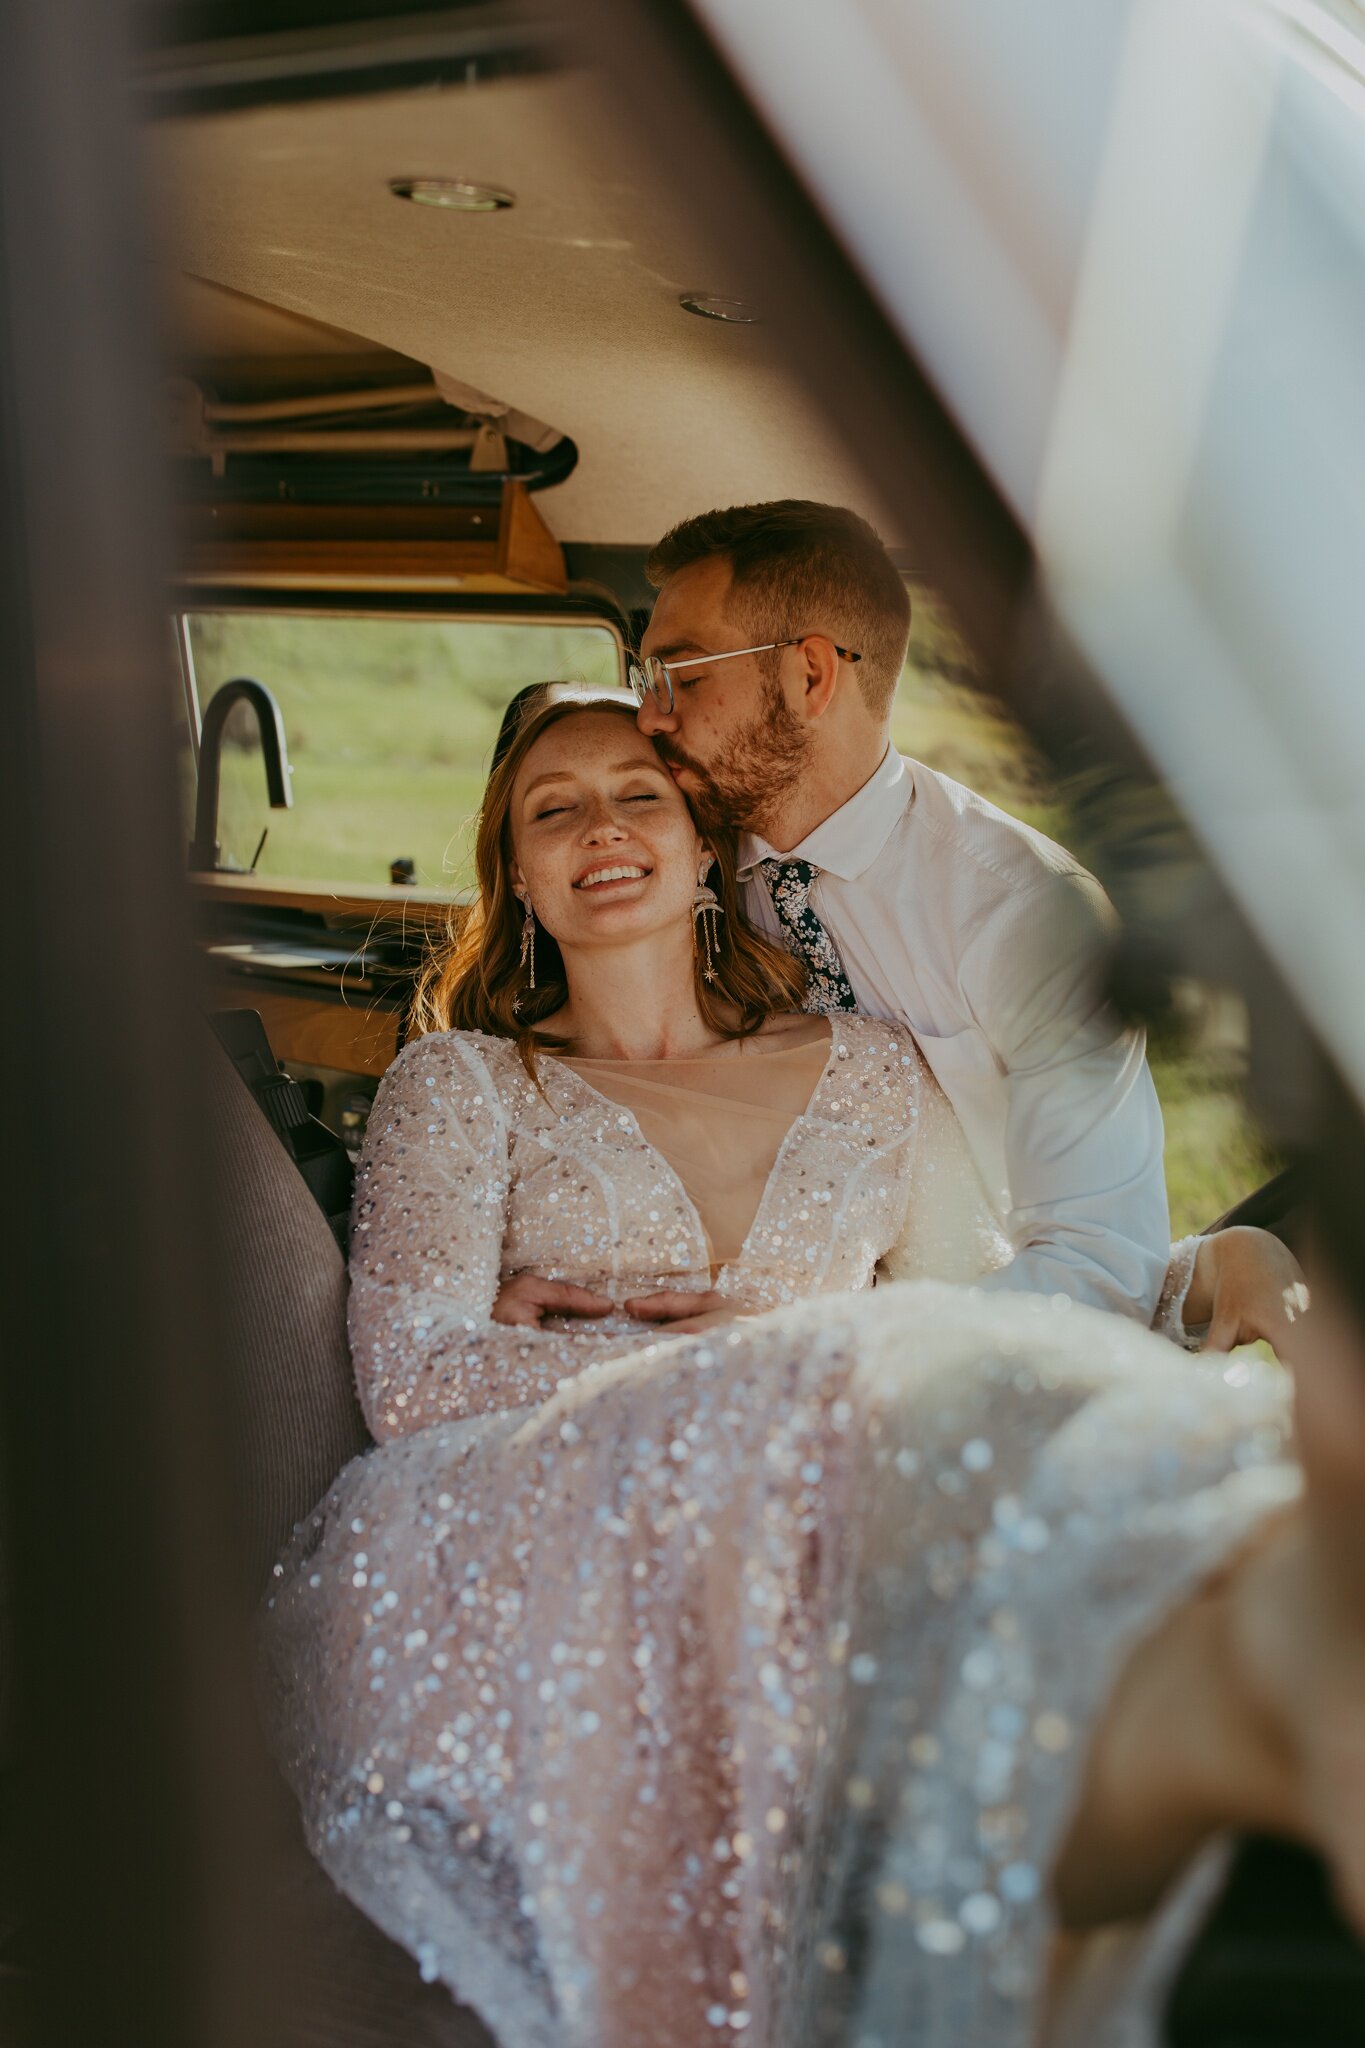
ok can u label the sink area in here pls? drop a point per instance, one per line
(330, 970)
(267, 956)
(351, 949)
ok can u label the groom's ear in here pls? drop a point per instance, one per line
(821, 677)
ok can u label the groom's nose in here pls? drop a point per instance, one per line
(652, 718)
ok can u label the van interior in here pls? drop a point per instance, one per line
(427, 322)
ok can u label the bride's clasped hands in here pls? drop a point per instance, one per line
(527, 1299)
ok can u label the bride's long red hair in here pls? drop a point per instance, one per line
(474, 977)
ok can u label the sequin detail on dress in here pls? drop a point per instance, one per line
(789, 884)
(635, 1685)
(471, 1172)
(1169, 1320)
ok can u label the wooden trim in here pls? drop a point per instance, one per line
(315, 1033)
(528, 552)
(360, 566)
(316, 525)
(358, 902)
(383, 547)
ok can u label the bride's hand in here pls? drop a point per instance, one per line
(1246, 1286)
(682, 1315)
(526, 1298)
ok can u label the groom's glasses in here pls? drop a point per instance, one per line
(651, 678)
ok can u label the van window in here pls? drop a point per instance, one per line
(390, 722)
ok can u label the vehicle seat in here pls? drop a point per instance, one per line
(297, 1423)
(316, 1151)
(297, 1417)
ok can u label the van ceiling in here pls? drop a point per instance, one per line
(563, 310)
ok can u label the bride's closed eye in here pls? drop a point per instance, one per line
(644, 796)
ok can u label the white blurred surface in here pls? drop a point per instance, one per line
(1127, 240)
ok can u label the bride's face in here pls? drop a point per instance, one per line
(602, 838)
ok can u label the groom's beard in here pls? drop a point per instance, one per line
(749, 778)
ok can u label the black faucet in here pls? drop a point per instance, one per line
(204, 845)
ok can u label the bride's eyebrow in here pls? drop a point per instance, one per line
(618, 768)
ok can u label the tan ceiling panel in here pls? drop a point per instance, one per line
(563, 308)
(208, 320)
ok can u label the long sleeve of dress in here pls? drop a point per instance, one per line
(1169, 1320)
(426, 1256)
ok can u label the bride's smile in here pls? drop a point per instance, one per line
(598, 878)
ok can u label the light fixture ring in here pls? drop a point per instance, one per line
(715, 306)
(455, 195)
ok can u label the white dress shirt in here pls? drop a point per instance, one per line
(986, 939)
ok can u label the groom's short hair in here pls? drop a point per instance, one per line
(799, 566)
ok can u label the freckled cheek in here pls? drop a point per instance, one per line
(675, 855)
(548, 880)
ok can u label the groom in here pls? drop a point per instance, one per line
(769, 670)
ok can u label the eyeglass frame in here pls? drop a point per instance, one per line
(642, 672)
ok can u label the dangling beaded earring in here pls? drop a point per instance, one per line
(528, 950)
(706, 909)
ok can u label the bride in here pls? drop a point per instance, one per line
(715, 1645)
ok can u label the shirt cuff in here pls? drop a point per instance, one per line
(1169, 1320)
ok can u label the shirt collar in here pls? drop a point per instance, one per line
(848, 841)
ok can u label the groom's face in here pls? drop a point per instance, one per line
(732, 741)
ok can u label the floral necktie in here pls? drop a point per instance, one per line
(789, 886)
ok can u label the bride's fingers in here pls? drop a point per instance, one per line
(670, 1303)
(524, 1299)
(563, 1298)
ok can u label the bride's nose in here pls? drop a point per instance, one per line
(600, 827)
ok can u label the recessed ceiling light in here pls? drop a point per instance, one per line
(710, 307)
(459, 195)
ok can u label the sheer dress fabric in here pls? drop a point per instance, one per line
(635, 1684)
(719, 1120)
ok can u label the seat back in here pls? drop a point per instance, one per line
(317, 1152)
(297, 1416)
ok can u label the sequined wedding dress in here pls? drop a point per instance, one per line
(664, 1691)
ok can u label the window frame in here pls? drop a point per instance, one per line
(577, 609)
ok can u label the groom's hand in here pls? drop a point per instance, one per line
(1247, 1287)
(526, 1298)
(684, 1314)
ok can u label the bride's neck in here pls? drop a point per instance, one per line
(636, 1002)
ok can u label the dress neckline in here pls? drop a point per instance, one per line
(713, 1056)
(837, 1050)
